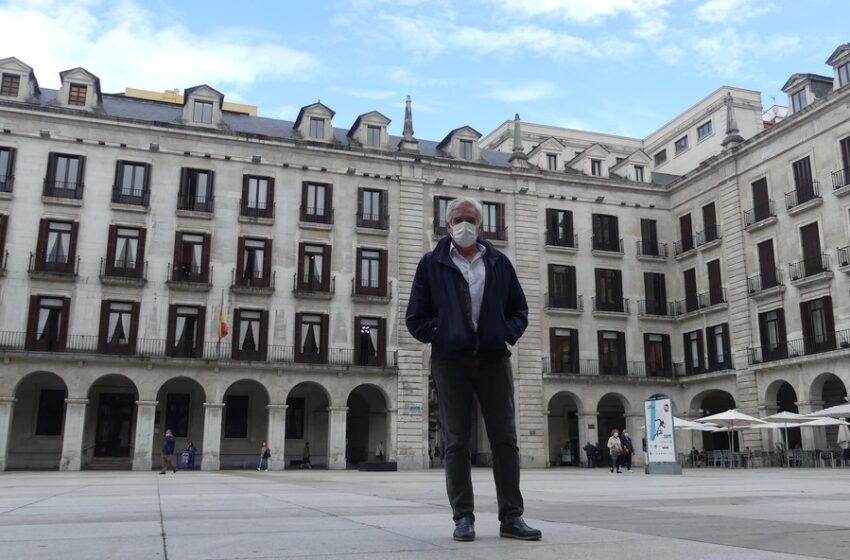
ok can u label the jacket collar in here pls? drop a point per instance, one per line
(441, 251)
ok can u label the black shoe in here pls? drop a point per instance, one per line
(517, 529)
(464, 529)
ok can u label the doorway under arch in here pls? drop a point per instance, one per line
(307, 422)
(611, 414)
(564, 443)
(245, 424)
(715, 402)
(366, 425)
(35, 438)
(110, 432)
(180, 408)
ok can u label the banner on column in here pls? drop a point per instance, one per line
(660, 443)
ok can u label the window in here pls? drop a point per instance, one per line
(295, 418)
(253, 262)
(596, 167)
(317, 128)
(818, 325)
(660, 157)
(51, 412)
(56, 250)
(185, 331)
(316, 203)
(619, 160)
(719, 352)
(693, 352)
(656, 349)
(767, 265)
(4, 220)
(715, 283)
(236, 417)
(440, 205)
(709, 222)
(177, 414)
(559, 228)
(804, 184)
(691, 297)
(656, 293)
(612, 352)
(10, 85)
(552, 162)
(250, 334)
(370, 341)
(125, 250)
(772, 334)
(564, 349)
(191, 258)
(373, 136)
(609, 290)
(196, 190)
(465, 149)
(371, 272)
(47, 328)
(562, 287)
(813, 261)
(77, 95)
(64, 176)
(493, 223)
(681, 145)
(202, 112)
(7, 169)
(311, 337)
(606, 233)
(843, 75)
(257, 196)
(372, 209)
(649, 239)
(118, 327)
(687, 233)
(131, 183)
(798, 100)
(639, 173)
(314, 268)
(704, 130)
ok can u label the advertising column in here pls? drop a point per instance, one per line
(660, 442)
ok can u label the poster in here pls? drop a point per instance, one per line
(660, 443)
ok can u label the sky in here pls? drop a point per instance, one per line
(614, 66)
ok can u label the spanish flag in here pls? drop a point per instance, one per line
(222, 320)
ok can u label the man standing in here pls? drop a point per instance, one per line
(167, 452)
(467, 303)
(628, 451)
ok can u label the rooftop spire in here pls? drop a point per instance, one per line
(408, 142)
(518, 157)
(732, 137)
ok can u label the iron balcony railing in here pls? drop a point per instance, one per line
(554, 239)
(71, 268)
(650, 249)
(618, 305)
(253, 279)
(809, 346)
(499, 233)
(707, 235)
(359, 288)
(809, 267)
(803, 192)
(313, 286)
(196, 203)
(564, 301)
(185, 272)
(759, 213)
(63, 189)
(130, 196)
(13, 341)
(705, 367)
(716, 296)
(684, 245)
(373, 221)
(612, 245)
(6, 183)
(658, 308)
(840, 178)
(127, 269)
(843, 256)
(256, 209)
(596, 367)
(317, 215)
(764, 281)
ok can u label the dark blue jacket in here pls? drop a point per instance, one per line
(626, 442)
(168, 445)
(440, 309)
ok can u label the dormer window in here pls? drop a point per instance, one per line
(798, 100)
(596, 167)
(639, 173)
(552, 162)
(77, 95)
(465, 149)
(373, 136)
(317, 128)
(11, 85)
(843, 75)
(202, 112)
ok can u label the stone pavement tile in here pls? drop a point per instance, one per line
(103, 548)
(93, 531)
(307, 523)
(833, 543)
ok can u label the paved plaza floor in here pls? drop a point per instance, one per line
(584, 514)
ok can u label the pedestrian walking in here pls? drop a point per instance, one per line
(265, 455)
(438, 455)
(379, 451)
(305, 457)
(466, 301)
(614, 449)
(590, 451)
(168, 453)
(628, 451)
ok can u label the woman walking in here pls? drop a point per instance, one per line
(615, 448)
(265, 453)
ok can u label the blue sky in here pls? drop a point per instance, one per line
(616, 66)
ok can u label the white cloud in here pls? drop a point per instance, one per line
(733, 11)
(729, 53)
(522, 92)
(125, 46)
(285, 112)
(375, 95)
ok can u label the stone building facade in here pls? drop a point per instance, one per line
(128, 227)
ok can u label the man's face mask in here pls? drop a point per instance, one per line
(464, 234)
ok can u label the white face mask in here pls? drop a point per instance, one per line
(616, 434)
(626, 434)
(464, 234)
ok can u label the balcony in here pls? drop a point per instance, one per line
(141, 198)
(253, 283)
(378, 294)
(314, 289)
(648, 309)
(606, 248)
(321, 217)
(126, 273)
(843, 254)
(567, 243)
(258, 212)
(803, 197)
(684, 248)
(197, 204)
(366, 220)
(618, 306)
(760, 216)
(810, 271)
(712, 298)
(63, 189)
(51, 270)
(810, 346)
(695, 303)
(841, 182)
(147, 348)
(184, 276)
(568, 304)
(685, 371)
(596, 367)
(7, 182)
(709, 237)
(646, 250)
(765, 284)
(495, 233)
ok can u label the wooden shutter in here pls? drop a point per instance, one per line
(134, 327)
(690, 277)
(72, 247)
(806, 320)
(325, 341)
(357, 346)
(687, 352)
(267, 264)
(360, 192)
(236, 336)
(264, 335)
(761, 199)
(574, 350)
(299, 279)
(382, 341)
(183, 191)
(845, 157)
(170, 330)
(116, 185)
(783, 335)
(600, 343)
(727, 348)
(298, 347)
(270, 198)
(63, 326)
(767, 264)
(329, 199)
(10, 169)
(568, 220)
(244, 203)
(686, 230)
(709, 222)
(811, 247)
(358, 275)
(202, 324)
(103, 334)
(41, 244)
(140, 253)
(326, 269)
(81, 175)
(830, 322)
(803, 178)
(665, 351)
(715, 288)
(701, 351)
(618, 290)
(382, 272)
(304, 200)
(501, 228)
(4, 220)
(646, 355)
(111, 242)
(210, 191)
(711, 348)
(384, 206)
(238, 278)
(50, 178)
(621, 351)
(551, 226)
(205, 260)
(32, 322)
(147, 184)
(178, 252)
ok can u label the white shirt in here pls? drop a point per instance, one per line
(475, 273)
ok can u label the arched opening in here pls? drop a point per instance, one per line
(366, 426)
(35, 439)
(611, 413)
(715, 402)
(564, 447)
(110, 430)
(180, 408)
(245, 423)
(307, 423)
(786, 401)
(830, 389)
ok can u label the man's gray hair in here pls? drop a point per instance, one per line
(463, 202)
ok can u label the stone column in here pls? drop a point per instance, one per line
(770, 437)
(7, 409)
(277, 436)
(587, 431)
(548, 447)
(391, 434)
(211, 460)
(634, 421)
(336, 437)
(72, 439)
(813, 438)
(143, 449)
